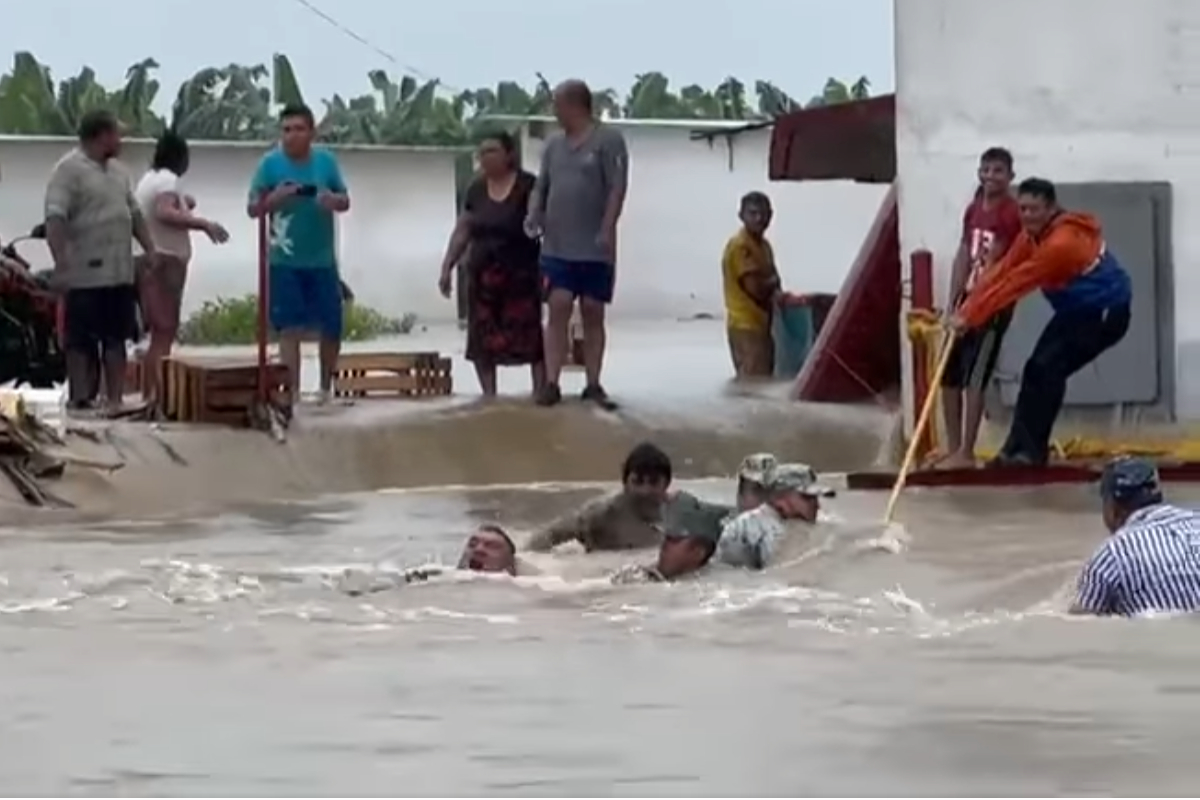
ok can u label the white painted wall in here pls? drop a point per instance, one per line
(682, 207)
(1110, 95)
(391, 242)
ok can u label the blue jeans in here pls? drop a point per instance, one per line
(306, 299)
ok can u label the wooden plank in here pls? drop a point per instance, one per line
(386, 362)
(362, 385)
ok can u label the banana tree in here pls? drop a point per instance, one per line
(224, 103)
(773, 101)
(28, 104)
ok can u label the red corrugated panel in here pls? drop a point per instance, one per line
(857, 353)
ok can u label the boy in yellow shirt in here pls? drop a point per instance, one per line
(751, 286)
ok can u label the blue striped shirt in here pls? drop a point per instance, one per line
(1151, 563)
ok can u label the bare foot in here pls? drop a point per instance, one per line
(958, 461)
(934, 459)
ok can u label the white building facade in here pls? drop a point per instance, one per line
(390, 243)
(686, 178)
(1096, 92)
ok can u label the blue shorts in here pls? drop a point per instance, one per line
(307, 299)
(591, 279)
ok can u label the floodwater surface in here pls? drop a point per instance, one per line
(219, 655)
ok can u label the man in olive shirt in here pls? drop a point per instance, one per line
(91, 221)
(637, 515)
(575, 208)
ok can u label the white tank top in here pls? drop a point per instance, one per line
(168, 239)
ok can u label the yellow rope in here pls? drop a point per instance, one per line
(925, 326)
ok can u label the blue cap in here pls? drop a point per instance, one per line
(1130, 479)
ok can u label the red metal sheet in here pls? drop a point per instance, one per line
(853, 141)
(1178, 472)
(857, 353)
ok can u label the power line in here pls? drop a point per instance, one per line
(346, 31)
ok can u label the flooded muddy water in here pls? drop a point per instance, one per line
(215, 654)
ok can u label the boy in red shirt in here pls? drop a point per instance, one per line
(991, 223)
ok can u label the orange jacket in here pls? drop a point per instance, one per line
(1067, 248)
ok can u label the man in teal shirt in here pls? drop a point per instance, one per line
(301, 188)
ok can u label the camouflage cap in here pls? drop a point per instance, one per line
(1130, 479)
(758, 468)
(686, 516)
(798, 478)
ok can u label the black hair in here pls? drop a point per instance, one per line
(503, 534)
(710, 549)
(755, 200)
(170, 153)
(298, 110)
(997, 155)
(1039, 187)
(647, 461)
(507, 142)
(96, 123)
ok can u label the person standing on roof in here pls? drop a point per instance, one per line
(1152, 560)
(991, 223)
(1064, 254)
(575, 207)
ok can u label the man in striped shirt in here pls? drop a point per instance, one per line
(1152, 560)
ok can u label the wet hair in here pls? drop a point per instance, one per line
(710, 549)
(170, 153)
(96, 123)
(578, 93)
(503, 534)
(1040, 188)
(647, 461)
(754, 200)
(298, 110)
(997, 155)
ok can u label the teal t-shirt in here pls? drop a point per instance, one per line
(302, 232)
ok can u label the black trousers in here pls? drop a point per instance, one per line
(1070, 341)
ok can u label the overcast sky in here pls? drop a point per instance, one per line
(467, 43)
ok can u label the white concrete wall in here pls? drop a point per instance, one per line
(1102, 90)
(391, 242)
(682, 207)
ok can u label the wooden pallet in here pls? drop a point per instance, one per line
(215, 390)
(365, 375)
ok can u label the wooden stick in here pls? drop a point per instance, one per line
(922, 423)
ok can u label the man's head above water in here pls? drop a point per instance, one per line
(682, 553)
(1128, 484)
(754, 476)
(795, 492)
(646, 476)
(489, 549)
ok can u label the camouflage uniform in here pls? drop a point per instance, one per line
(752, 538)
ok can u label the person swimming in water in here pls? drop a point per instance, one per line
(634, 516)
(683, 552)
(489, 549)
(752, 538)
(754, 475)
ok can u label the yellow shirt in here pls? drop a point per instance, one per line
(745, 254)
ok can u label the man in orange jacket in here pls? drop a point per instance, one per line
(1062, 253)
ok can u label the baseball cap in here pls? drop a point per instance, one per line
(799, 478)
(687, 517)
(758, 468)
(1129, 479)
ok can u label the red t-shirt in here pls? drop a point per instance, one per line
(983, 228)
